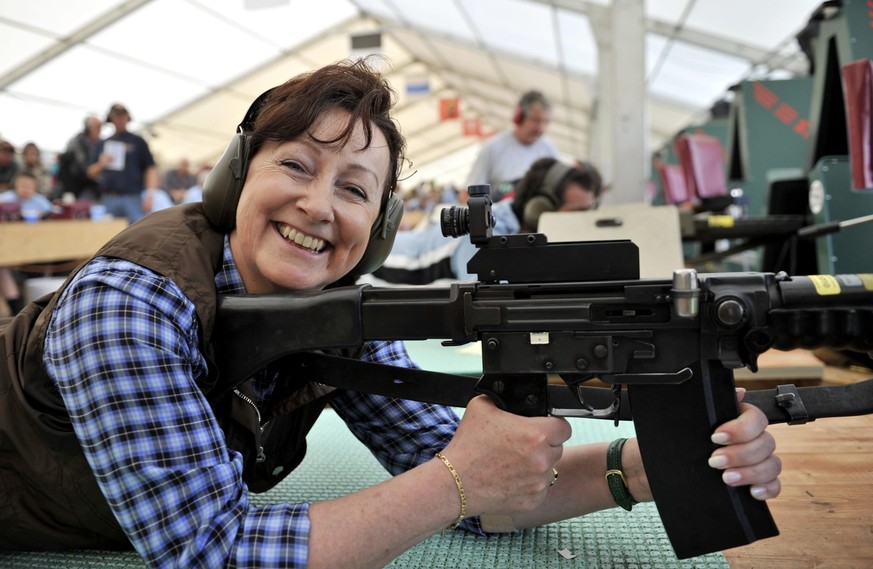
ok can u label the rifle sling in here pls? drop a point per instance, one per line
(797, 405)
(428, 386)
(779, 405)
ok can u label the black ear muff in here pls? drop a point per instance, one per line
(547, 198)
(534, 208)
(382, 236)
(223, 184)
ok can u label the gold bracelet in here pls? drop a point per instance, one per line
(460, 486)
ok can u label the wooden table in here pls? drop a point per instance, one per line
(825, 511)
(54, 240)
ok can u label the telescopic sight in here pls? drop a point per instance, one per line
(455, 221)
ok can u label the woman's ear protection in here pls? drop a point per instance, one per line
(223, 184)
(382, 236)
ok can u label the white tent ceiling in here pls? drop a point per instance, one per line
(187, 69)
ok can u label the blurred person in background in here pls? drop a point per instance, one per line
(178, 180)
(33, 204)
(124, 167)
(74, 161)
(505, 157)
(9, 166)
(31, 162)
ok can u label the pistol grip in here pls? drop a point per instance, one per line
(521, 394)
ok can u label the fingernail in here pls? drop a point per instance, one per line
(719, 438)
(718, 461)
(758, 492)
(731, 477)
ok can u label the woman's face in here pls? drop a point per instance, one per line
(306, 209)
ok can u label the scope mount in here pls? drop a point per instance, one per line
(524, 258)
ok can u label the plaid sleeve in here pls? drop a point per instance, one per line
(122, 349)
(400, 433)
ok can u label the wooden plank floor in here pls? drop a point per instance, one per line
(825, 511)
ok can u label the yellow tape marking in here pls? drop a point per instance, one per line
(825, 285)
(720, 221)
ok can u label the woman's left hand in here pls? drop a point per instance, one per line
(747, 457)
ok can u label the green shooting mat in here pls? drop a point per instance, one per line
(338, 464)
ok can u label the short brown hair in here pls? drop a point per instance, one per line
(290, 109)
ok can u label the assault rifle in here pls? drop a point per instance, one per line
(580, 311)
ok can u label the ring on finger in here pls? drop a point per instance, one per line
(554, 477)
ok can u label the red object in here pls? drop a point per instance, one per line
(79, 209)
(471, 127)
(450, 108)
(10, 211)
(858, 92)
(673, 183)
(702, 159)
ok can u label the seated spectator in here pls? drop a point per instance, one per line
(155, 199)
(178, 180)
(31, 162)
(9, 166)
(426, 257)
(25, 193)
(195, 192)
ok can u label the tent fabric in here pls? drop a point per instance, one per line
(187, 69)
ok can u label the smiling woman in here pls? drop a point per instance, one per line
(323, 151)
(326, 193)
(113, 435)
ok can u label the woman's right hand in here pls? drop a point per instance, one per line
(505, 461)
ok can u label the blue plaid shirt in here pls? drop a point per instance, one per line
(122, 348)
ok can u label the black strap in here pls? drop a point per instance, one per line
(797, 405)
(615, 476)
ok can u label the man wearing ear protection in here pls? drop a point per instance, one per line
(505, 157)
(427, 257)
(112, 436)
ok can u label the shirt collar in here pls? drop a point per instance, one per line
(228, 279)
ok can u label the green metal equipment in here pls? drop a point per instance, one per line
(844, 34)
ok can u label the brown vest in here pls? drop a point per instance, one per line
(49, 498)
